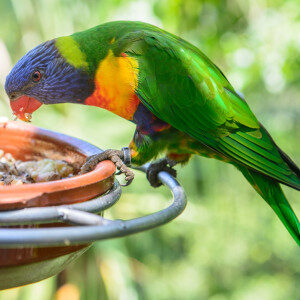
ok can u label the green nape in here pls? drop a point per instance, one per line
(70, 50)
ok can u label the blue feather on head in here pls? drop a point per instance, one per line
(43, 76)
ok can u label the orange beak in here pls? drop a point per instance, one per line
(24, 106)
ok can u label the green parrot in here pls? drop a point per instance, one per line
(181, 102)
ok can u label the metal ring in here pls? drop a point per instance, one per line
(96, 228)
(49, 214)
(127, 156)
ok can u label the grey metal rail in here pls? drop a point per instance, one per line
(95, 227)
(65, 213)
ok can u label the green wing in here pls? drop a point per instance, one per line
(181, 86)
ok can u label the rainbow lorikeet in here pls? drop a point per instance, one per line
(181, 102)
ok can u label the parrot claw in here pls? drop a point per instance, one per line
(156, 167)
(121, 159)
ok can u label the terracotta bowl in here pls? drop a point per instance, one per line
(26, 142)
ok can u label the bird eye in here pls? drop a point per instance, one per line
(36, 76)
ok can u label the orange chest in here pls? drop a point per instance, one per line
(116, 81)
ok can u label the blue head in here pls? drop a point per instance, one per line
(43, 76)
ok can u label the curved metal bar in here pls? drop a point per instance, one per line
(77, 217)
(48, 214)
(40, 237)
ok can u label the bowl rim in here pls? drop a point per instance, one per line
(102, 171)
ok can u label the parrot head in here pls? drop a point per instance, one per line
(44, 76)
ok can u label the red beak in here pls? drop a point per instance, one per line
(24, 106)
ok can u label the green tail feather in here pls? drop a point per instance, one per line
(271, 191)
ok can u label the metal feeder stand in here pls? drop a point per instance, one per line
(83, 225)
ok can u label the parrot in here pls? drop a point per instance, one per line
(180, 101)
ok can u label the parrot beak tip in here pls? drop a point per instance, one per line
(24, 106)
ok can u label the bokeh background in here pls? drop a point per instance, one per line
(228, 244)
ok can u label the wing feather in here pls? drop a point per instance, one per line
(181, 86)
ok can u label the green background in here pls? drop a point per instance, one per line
(228, 244)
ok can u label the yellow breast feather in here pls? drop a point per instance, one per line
(116, 81)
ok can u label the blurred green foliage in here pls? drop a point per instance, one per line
(228, 244)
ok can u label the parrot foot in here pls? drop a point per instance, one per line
(121, 159)
(162, 165)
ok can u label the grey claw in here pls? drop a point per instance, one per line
(117, 157)
(127, 182)
(157, 167)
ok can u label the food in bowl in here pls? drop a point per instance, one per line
(16, 172)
